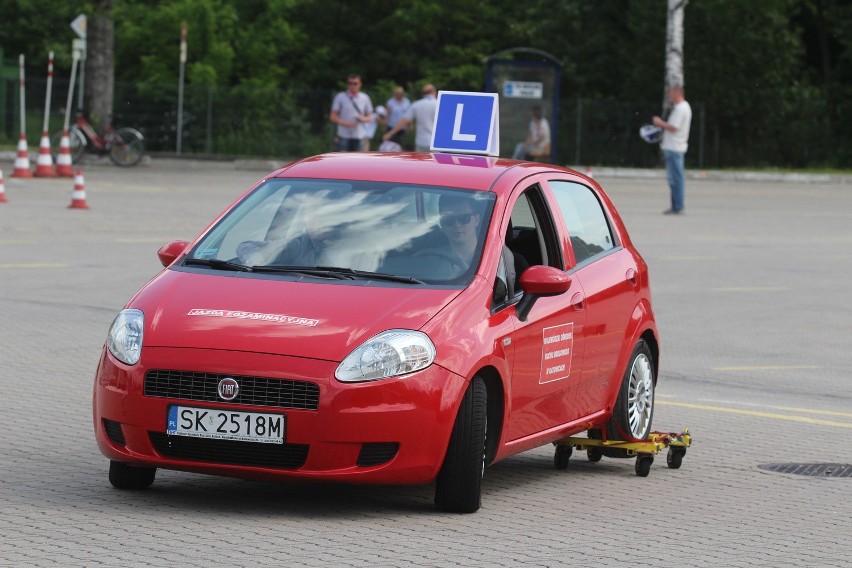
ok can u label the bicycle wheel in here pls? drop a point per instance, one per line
(76, 139)
(126, 146)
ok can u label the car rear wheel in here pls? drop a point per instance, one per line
(634, 408)
(123, 476)
(458, 488)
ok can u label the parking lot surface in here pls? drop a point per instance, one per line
(751, 289)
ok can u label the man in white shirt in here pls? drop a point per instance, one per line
(397, 105)
(350, 110)
(674, 145)
(422, 113)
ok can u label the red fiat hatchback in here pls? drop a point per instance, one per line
(383, 318)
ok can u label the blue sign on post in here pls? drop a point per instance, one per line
(467, 123)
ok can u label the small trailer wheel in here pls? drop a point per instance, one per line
(594, 454)
(562, 455)
(674, 457)
(643, 465)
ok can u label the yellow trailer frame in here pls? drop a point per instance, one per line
(644, 450)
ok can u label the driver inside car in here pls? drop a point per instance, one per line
(459, 223)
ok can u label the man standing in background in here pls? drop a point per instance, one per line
(350, 110)
(422, 113)
(397, 106)
(674, 145)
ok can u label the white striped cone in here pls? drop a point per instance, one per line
(63, 159)
(44, 162)
(2, 188)
(78, 196)
(22, 159)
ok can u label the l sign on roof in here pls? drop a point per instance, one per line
(466, 123)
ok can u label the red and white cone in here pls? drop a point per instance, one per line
(44, 162)
(2, 188)
(63, 159)
(22, 159)
(78, 196)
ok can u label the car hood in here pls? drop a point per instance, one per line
(237, 312)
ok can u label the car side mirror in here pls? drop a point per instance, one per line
(539, 282)
(168, 253)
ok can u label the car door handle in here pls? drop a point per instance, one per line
(632, 277)
(578, 301)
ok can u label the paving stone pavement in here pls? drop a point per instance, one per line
(751, 290)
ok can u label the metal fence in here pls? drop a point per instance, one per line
(255, 120)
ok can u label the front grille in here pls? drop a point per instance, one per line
(377, 453)
(254, 391)
(114, 432)
(275, 456)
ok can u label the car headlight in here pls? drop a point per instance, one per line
(389, 354)
(124, 340)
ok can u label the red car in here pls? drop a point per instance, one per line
(383, 318)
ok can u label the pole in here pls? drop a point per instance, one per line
(82, 80)
(76, 58)
(64, 160)
(22, 158)
(23, 104)
(44, 163)
(180, 85)
(47, 95)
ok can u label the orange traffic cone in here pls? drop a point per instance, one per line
(2, 188)
(44, 163)
(63, 159)
(22, 159)
(78, 196)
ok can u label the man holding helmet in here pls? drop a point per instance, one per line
(674, 145)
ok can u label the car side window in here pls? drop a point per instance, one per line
(585, 220)
(531, 235)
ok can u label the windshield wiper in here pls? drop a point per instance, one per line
(338, 272)
(318, 271)
(373, 275)
(216, 263)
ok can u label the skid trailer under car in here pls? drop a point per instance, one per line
(644, 450)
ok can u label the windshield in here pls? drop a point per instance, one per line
(429, 234)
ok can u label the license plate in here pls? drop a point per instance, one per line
(225, 424)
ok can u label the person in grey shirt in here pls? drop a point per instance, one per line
(422, 113)
(350, 110)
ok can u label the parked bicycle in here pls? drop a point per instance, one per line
(124, 146)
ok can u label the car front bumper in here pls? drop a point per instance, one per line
(389, 431)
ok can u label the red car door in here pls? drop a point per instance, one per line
(548, 344)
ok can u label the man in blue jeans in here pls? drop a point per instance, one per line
(674, 145)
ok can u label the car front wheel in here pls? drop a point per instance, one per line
(458, 487)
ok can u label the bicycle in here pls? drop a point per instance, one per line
(124, 146)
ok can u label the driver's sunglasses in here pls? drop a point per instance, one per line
(463, 219)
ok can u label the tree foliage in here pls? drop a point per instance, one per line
(771, 79)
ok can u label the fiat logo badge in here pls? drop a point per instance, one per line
(228, 388)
